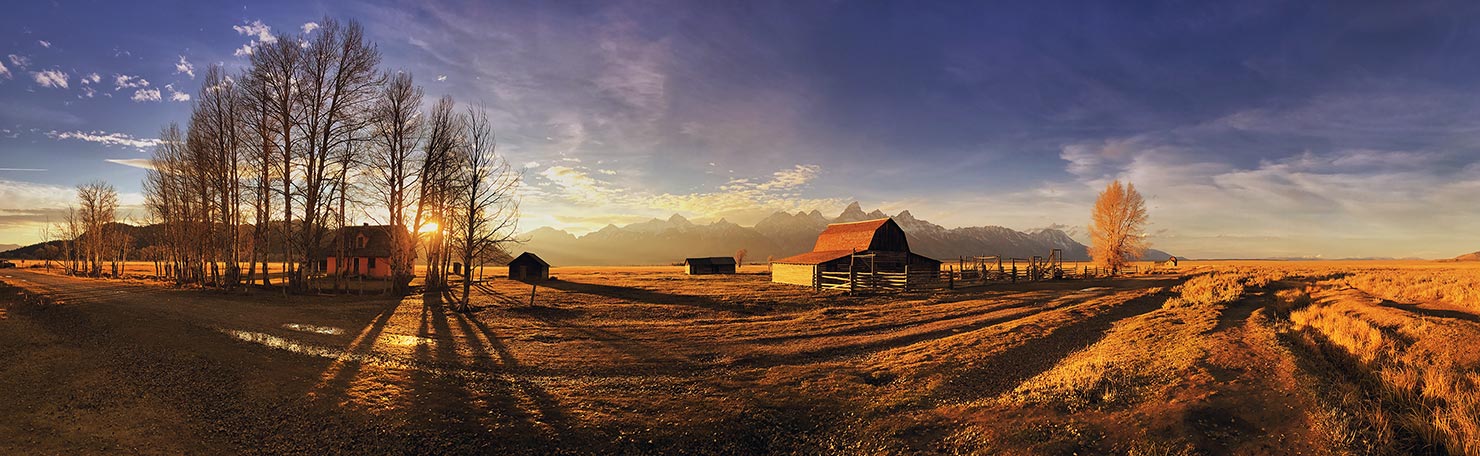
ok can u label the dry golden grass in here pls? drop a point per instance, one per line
(1428, 383)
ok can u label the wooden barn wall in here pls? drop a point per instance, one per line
(797, 274)
(890, 238)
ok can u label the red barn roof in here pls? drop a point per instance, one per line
(843, 239)
(860, 236)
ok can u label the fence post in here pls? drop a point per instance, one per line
(816, 277)
(906, 277)
(852, 281)
(951, 279)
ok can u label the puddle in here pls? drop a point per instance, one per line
(330, 330)
(284, 344)
(405, 341)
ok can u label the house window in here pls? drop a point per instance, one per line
(372, 262)
(357, 265)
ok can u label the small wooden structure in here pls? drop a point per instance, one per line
(872, 254)
(709, 265)
(528, 267)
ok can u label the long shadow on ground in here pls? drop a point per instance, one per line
(998, 374)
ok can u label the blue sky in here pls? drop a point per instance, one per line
(1255, 129)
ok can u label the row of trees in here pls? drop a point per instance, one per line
(312, 136)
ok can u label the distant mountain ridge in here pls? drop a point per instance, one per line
(1468, 257)
(780, 235)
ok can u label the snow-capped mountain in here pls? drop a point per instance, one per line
(783, 234)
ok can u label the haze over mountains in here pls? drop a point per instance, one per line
(780, 235)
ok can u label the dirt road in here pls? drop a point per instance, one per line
(603, 363)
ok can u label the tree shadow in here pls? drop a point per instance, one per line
(643, 295)
(1006, 370)
(1436, 313)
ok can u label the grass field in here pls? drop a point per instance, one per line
(1227, 357)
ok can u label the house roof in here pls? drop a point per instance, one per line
(377, 241)
(710, 261)
(814, 257)
(528, 257)
(849, 236)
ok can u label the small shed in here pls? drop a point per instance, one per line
(710, 265)
(528, 267)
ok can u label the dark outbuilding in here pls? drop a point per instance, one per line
(529, 267)
(710, 265)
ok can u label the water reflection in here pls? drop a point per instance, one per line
(330, 330)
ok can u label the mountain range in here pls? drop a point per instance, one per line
(783, 234)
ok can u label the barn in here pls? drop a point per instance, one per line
(528, 267)
(880, 245)
(366, 252)
(709, 265)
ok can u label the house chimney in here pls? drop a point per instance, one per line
(367, 224)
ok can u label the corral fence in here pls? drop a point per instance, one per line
(864, 276)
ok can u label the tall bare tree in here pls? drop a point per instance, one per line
(485, 200)
(436, 188)
(98, 210)
(1116, 226)
(336, 85)
(392, 168)
(273, 71)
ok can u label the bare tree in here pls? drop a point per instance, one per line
(1115, 227)
(392, 168)
(486, 203)
(435, 187)
(274, 69)
(336, 85)
(740, 257)
(98, 203)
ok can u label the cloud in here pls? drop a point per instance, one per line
(106, 138)
(441, 77)
(20, 62)
(91, 78)
(87, 92)
(123, 81)
(51, 78)
(44, 43)
(143, 163)
(791, 178)
(176, 95)
(256, 29)
(738, 200)
(146, 95)
(261, 33)
(309, 27)
(184, 66)
(4, 72)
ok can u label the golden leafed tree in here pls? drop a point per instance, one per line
(1115, 229)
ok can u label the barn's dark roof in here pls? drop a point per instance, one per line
(378, 243)
(849, 236)
(710, 261)
(528, 257)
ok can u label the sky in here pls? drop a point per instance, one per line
(1254, 128)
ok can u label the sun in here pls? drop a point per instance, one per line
(429, 227)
